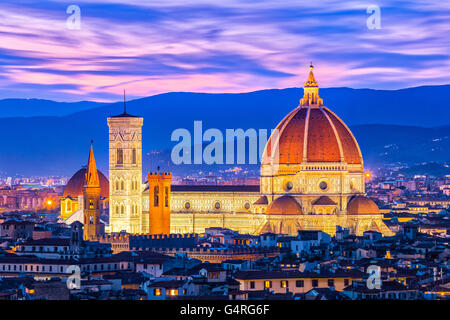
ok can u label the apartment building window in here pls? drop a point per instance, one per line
(315, 283)
(284, 284)
(252, 284)
(267, 284)
(173, 292)
(331, 282)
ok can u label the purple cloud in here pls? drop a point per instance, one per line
(149, 47)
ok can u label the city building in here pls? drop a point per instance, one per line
(312, 178)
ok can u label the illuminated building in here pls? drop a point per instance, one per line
(72, 208)
(125, 173)
(295, 281)
(20, 198)
(159, 203)
(312, 178)
(91, 198)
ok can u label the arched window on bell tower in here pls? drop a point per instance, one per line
(133, 156)
(119, 156)
(156, 196)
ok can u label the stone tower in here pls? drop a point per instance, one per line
(91, 198)
(159, 202)
(125, 173)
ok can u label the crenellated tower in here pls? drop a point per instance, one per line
(159, 202)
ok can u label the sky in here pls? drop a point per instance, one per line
(156, 46)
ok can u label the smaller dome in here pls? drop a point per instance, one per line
(284, 205)
(362, 205)
(74, 186)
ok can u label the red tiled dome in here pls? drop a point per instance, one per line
(362, 205)
(284, 205)
(314, 135)
(74, 186)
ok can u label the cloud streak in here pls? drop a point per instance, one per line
(149, 47)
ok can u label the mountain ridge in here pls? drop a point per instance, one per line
(390, 126)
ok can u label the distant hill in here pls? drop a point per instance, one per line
(390, 126)
(432, 168)
(10, 108)
(381, 144)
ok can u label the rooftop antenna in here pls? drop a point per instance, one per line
(124, 103)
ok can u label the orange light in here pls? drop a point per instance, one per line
(368, 175)
(49, 202)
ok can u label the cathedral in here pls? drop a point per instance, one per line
(312, 178)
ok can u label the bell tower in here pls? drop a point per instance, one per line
(125, 172)
(91, 198)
